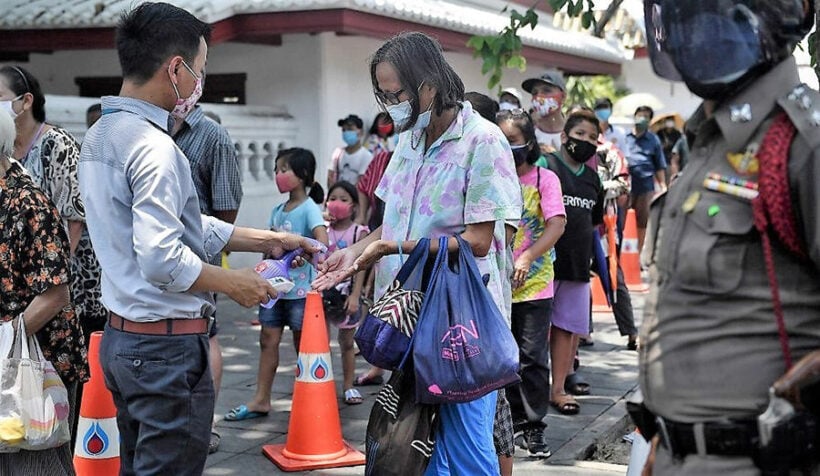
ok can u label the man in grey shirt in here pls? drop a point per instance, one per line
(217, 180)
(153, 246)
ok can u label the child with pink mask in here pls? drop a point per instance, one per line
(300, 214)
(342, 302)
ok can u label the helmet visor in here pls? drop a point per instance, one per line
(708, 41)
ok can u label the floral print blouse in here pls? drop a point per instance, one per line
(467, 176)
(33, 258)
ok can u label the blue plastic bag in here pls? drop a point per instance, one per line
(463, 348)
(384, 336)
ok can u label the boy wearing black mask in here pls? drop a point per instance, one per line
(583, 202)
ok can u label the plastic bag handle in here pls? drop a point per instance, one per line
(24, 345)
(467, 259)
(441, 259)
(419, 254)
(20, 340)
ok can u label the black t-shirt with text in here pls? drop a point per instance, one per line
(584, 204)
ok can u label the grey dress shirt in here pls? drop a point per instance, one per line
(142, 212)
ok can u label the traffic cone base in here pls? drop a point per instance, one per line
(287, 461)
(599, 303)
(314, 439)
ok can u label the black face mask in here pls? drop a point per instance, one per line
(520, 154)
(580, 150)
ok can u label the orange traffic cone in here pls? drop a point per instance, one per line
(97, 450)
(599, 302)
(315, 430)
(631, 255)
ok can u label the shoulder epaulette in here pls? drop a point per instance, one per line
(802, 105)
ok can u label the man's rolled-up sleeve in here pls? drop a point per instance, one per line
(215, 235)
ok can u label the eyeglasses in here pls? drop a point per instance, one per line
(389, 98)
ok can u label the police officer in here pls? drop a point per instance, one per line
(713, 340)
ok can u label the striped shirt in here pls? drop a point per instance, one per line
(214, 167)
(373, 175)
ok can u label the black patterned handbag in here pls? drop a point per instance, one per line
(400, 432)
(384, 335)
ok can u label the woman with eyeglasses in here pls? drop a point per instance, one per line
(541, 225)
(51, 155)
(452, 173)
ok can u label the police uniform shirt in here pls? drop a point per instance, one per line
(710, 347)
(583, 202)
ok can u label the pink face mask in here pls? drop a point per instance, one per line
(286, 181)
(339, 210)
(185, 106)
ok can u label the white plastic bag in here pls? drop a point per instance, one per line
(638, 455)
(34, 407)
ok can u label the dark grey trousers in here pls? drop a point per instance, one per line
(164, 396)
(529, 399)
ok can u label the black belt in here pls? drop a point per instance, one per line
(736, 438)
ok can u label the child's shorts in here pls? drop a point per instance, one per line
(286, 312)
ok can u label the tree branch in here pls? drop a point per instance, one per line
(610, 12)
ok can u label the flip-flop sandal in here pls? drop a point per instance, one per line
(353, 397)
(243, 413)
(566, 405)
(576, 385)
(213, 444)
(365, 380)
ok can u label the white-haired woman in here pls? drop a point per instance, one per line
(34, 277)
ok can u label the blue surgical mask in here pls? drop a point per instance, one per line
(424, 118)
(351, 138)
(603, 114)
(400, 113)
(403, 111)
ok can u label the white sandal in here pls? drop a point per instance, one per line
(353, 397)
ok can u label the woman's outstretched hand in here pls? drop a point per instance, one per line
(335, 269)
(344, 263)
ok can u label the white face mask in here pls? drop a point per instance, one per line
(8, 106)
(507, 106)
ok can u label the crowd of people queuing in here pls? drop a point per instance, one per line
(539, 274)
(155, 187)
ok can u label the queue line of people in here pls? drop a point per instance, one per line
(160, 291)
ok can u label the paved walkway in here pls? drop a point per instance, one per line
(610, 369)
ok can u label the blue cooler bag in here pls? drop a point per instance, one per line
(384, 335)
